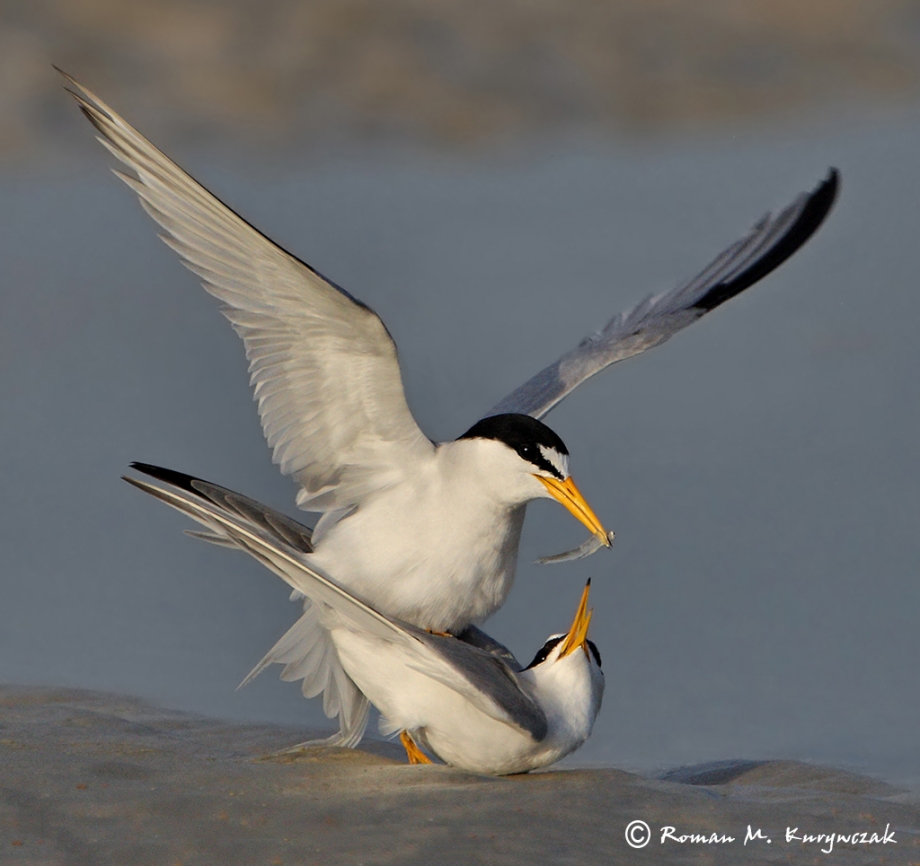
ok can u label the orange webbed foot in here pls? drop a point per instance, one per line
(413, 752)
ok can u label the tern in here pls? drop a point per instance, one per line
(469, 701)
(425, 532)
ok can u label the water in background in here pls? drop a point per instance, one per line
(760, 470)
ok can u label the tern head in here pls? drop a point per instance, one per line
(567, 676)
(533, 463)
(561, 646)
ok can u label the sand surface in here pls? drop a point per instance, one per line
(91, 778)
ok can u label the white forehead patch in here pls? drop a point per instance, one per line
(560, 462)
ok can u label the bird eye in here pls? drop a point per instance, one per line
(544, 651)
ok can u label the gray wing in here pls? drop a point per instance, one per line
(231, 515)
(483, 676)
(657, 318)
(276, 524)
(236, 521)
(478, 638)
(323, 366)
(489, 674)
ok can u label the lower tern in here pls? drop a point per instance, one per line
(468, 701)
(424, 532)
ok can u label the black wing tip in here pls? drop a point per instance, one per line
(824, 195)
(814, 211)
(170, 476)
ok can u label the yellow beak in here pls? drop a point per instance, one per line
(578, 633)
(570, 496)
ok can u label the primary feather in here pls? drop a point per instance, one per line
(323, 365)
(657, 318)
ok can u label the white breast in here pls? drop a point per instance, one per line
(438, 550)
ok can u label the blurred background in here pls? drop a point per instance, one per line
(496, 179)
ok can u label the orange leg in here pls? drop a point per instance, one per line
(439, 633)
(413, 752)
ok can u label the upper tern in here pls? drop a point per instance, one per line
(424, 532)
(467, 700)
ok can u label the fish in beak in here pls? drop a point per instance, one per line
(566, 493)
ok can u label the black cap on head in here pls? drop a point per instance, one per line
(522, 434)
(544, 651)
(552, 643)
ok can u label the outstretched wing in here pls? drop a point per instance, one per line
(657, 318)
(251, 526)
(482, 676)
(324, 368)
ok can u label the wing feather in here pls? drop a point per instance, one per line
(324, 367)
(655, 319)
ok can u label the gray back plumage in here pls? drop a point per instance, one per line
(492, 670)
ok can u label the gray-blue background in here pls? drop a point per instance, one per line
(760, 470)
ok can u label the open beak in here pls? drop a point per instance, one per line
(578, 633)
(570, 496)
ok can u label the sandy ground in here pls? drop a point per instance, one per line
(89, 778)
